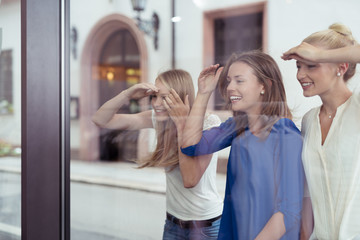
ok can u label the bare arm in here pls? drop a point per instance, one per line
(309, 53)
(191, 168)
(307, 220)
(106, 115)
(194, 125)
(274, 228)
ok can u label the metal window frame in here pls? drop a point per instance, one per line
(45, 122)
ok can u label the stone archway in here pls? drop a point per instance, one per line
(89, 132)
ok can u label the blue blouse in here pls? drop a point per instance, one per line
(264, 176)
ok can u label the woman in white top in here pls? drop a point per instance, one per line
(193, 204)
(326, 60)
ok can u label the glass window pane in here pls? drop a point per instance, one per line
(10, 119)
(110, 197)
(113, 49)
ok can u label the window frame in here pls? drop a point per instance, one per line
(45, 120)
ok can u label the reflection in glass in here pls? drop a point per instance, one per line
(10, 121)
(117, 70)
(108, 193)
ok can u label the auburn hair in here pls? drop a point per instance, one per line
(274, 105)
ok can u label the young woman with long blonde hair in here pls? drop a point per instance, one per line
(193, 204)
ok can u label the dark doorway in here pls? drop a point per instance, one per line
(118, 69)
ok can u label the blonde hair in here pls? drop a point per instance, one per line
(268, 74)
(336, 36)
(166, 151)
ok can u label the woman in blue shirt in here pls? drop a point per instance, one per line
(264, 186)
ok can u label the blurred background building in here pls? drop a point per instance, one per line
(115, 44)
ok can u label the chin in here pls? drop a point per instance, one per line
(236, 109)
(307, 94)
(161, 118)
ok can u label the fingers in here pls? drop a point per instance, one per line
(171, 101)
(187, 101)
(150, 88)
(297, 58)
(167, 107)
(288, 55)
(209, 70)
(175, 97)
(218, 72)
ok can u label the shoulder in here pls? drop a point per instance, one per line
(211, 120)
(308, 118)
(309, 115)
(356, 98)
(286, 125)
(288, 134)
(286, 129)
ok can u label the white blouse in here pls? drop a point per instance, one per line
(333, 171)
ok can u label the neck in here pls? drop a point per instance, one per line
(334, 98)
(255, 123)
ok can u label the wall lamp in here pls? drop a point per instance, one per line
(150, 27)
(73, 41)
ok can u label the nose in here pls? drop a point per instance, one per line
(301, 74)
(230, 86)
(157, 102)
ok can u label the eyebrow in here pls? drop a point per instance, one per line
(236, 76)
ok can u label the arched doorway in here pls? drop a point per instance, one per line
(118, 69)
(114, 57)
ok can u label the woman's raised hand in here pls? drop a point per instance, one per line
(141, 90)
(177, 109)
(304, 52)
(208, 79)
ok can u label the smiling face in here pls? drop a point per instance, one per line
(317, 79)
(244, 89)
(157, 101)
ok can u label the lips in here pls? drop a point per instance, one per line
(306, 85)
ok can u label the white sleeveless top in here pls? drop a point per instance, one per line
(333, 171)
(201, 202)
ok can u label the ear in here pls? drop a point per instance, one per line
(268, 82)
(342, 68)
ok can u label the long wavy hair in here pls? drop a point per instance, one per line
(166, 151)
(336, 36)
(274, 105)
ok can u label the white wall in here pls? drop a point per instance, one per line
(10, 24)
